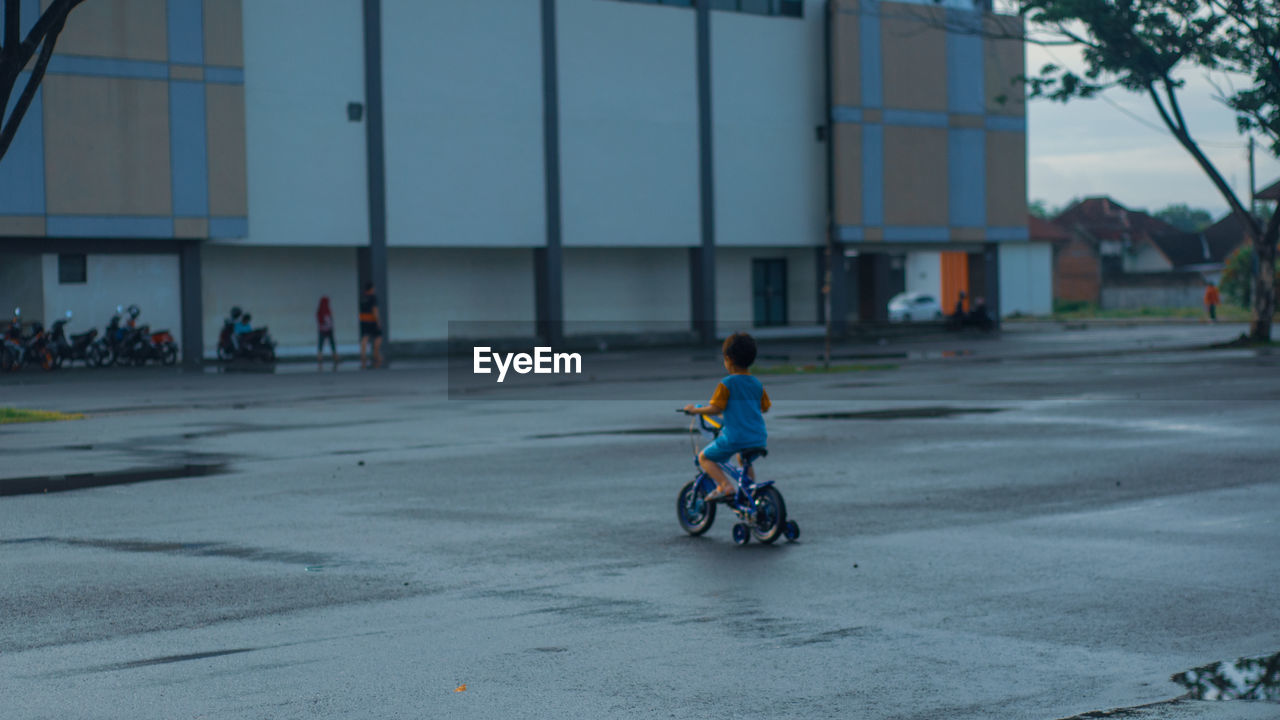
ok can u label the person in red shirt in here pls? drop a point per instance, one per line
(324, 329)
(1211, 300)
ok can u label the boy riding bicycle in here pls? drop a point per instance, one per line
(742, 400)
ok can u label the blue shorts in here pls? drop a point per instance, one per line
(721, 451)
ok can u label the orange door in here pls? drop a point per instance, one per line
(955, 279)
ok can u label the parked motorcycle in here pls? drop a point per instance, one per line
(145, 345)
(107, 348)
(255, 344)
(12, 348)
(68, 349)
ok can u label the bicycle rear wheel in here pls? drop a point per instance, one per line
(770, 514)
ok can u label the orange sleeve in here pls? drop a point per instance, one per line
(764, 400)
(721, 396)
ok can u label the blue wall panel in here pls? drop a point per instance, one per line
(22, 168)
(109, 226)
(186, 31)
(872, 175)
(869, 57)
(967, 177)
(188, 152)
(965, 74)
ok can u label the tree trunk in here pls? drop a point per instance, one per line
(1264, 281)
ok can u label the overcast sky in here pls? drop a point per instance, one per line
(1092, 147)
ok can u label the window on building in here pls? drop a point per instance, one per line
(72, 269)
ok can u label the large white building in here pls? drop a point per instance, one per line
(529, 162)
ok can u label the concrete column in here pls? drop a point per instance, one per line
(838, 290)
(376, 164)
(991, 273)
(702, 263)
(192, 294)
(548, 261)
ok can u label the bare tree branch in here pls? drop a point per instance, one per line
(33, 82)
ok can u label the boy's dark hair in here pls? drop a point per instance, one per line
(740, 348)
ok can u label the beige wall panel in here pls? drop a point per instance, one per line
(223, 33)
(915, 182)
(224, 109)
(106, 146)
(914, 52)
(846, 77)
(1006, 179)
(848, 174)
(21, 225)
(967, 121)
(1005, 61)
(131, 29)
(186, 72)
(190, 227)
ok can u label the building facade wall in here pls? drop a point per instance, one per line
(628, 124)
(768, 96)
(432, 286)
(307, 178)
(1077, 273)
(117, 141)
(1026, 278)
(22, 287)
(148, 281)
(281, 288)
(1172, 293)
(923, 273)
(462, 86)
(930, 130)
(734, 285)
(626, 289)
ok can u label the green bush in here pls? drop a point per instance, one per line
(1062, 307)
(1237, 277)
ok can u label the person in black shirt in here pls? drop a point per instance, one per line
(370, 327)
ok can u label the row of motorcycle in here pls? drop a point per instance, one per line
(122, 343)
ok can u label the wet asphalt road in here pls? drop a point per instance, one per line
(363, 545)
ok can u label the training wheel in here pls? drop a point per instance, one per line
(791, 531)
(741, 534)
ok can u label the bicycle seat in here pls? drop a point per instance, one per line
(750, 454)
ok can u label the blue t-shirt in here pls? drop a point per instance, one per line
(743, 411)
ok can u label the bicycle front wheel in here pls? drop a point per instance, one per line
(692, 509)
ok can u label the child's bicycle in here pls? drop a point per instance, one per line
(759, 506)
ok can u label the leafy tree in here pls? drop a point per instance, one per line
(16, 52)
(1040, 209)
(1186, 219)
(1236, 283)
(1141, 46)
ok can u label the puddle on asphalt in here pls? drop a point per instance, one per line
(632, 431)
(40, 484)
(1244, 679)
(313, 562)
(899, 413)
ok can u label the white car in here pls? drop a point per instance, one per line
(914, 306)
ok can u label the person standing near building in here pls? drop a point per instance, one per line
(324, 330)
(370, 327)
(1211, 300)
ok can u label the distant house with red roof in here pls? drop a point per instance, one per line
(1117, 258)
(1106, 253)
